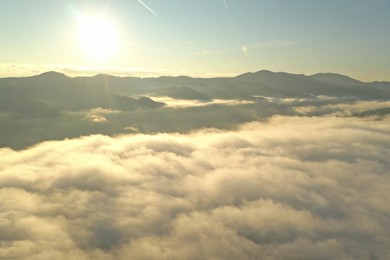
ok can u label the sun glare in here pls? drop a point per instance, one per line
(98, 37)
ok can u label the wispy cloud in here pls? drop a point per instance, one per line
(272, 44)
(206, 52)
(225, 4)
(147, 7)
(190, 43)
(267, 45)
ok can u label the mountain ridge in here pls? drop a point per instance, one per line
(53, 106)
(53, 73)
(244, 86)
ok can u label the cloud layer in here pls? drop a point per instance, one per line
(291, 188)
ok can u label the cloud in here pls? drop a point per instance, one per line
(96, 118)
(225, 4)
(191, 43)
(244, 50)
(343, 109)
(292, 187)
(267, 45)
(184, 103)
(147, 7)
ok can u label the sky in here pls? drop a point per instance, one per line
(269, 166)
(202, 38)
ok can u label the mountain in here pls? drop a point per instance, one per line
(181, 93)
(57, 92)
(298, 85)
(128, 103)
(383, 87)
(336, 79)
(51, 75)
(53, 106)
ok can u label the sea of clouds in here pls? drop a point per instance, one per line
(288, 188)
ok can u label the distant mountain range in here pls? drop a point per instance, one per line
(55, 90)
(54, 106)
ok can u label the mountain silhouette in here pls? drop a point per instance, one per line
(336, 79)
(53, 106)
(244, 86)
(298, 85)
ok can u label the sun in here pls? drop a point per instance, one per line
(98, 37)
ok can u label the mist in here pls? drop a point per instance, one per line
(291, 187)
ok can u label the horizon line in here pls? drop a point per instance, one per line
(8, 70)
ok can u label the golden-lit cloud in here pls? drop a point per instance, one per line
(183, 103)
(292, 187)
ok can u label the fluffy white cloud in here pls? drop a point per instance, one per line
(290, 188)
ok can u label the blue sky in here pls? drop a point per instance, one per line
(205, 37)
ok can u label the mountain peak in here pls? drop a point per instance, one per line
(52, 75)
(264, 72)
(254, 74)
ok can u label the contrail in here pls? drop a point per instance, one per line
(225, 4)
(147, 7)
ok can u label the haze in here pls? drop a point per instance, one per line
(200, 38)
(216, 129)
